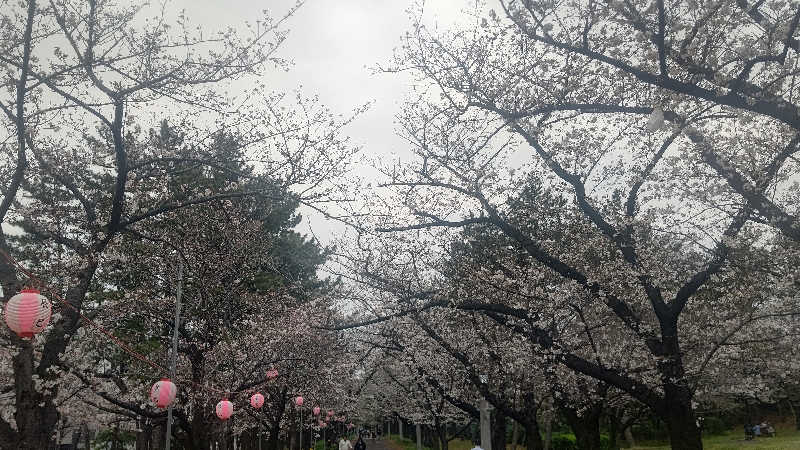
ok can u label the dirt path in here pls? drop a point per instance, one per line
(382, 444)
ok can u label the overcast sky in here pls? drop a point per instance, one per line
(333, 45)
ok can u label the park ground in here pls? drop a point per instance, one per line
(786, 439)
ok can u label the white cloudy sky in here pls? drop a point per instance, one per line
(333, 44)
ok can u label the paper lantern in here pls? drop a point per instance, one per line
(316, 410)
(330, 413)
(224, 409)
(257, 400)
(298, 401)
(27, 313)
(272, 374)
(163, 393)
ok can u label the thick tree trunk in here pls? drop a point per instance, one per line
(614, 422)
(795, 415)
(585, 425)
(629, 437)
(274, 431)
(499, 430)
(532, 435)
(144, 436)
(443, 442)
(36, 415)
(514, 434)
(684, 434)
(199, 437)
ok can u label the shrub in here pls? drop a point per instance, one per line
(567, 441)
(564, 442)
(714, 426)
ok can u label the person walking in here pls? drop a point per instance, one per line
(344, 444)
(360, 444)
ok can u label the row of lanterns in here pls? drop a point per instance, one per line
(28, 313)
(163, 393)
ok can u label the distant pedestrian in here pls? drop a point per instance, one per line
(360, 444)
(344, 444)
(756, 430)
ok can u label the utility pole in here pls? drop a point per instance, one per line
(174, 346)
(486, 426)
(486, 420)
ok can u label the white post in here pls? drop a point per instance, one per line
(174, 346)
(486, 426)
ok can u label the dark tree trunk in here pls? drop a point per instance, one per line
(533, 437)
(36, 415)
(144, 437)
(585, 424)
(441, 433)
(499, 430)
(198, 436)
(684, 434)
(793, 408)
(614, 422)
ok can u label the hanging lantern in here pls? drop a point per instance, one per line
(330, 413)
(316, 410)
(257, 400)
(27, 313)
(272, 374)
(224, 409)
(163, 393)
(298, 400)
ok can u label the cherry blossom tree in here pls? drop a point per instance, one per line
(83, 173)
(626, 135)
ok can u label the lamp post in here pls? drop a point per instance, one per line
(486, 423)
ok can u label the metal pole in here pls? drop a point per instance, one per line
(301, 427)
(259, 434)
(174, 345)
(486, 426)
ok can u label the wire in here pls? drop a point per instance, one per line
(117, 341)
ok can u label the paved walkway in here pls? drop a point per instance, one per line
(381, 444)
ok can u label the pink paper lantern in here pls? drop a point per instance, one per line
(316, 410)
(27, 313)
(257, 400)
(330, 413)
(298, 400)
(224, 409)
(272, 374)
(163, 393)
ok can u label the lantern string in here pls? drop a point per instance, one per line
(117, 341)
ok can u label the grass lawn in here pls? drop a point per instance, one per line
(786, 440)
